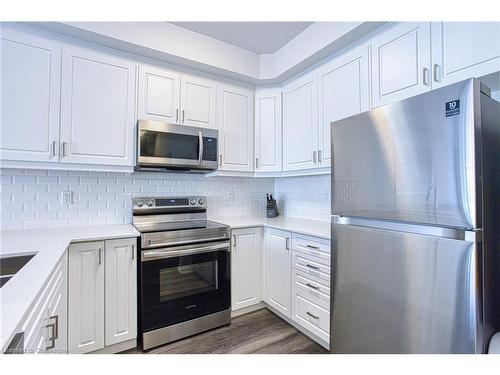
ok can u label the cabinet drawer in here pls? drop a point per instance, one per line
(311, 287)
(312, 317)
(310, 266)
(312, 246)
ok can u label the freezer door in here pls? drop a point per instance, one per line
(399, 292)
(411, 161)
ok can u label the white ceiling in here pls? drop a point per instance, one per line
(258, 37)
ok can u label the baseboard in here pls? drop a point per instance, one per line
(249, 309)
(116, 348)
(311, 335)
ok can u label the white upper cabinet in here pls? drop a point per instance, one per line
(245, 267)
(343, 91)
(198, 102)
(300, 123)
(401, 62)
(235, 123)
(159, 98)
(462, 50)
(30, 84)
(97, 108)
(268, 149)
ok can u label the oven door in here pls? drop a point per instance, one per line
(184, 282)
(176, 146)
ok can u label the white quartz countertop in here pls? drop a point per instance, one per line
(303, 226)
(19, 293)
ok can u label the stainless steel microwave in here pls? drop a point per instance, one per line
(163, 146)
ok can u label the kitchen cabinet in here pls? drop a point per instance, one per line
(97, 108)
(277, 265)
(30, 91)
(86, 297)
(343, 91)
(198, 102)
(245, 267)
(400, 60)
(159, 94)
(268, 150)
(300, 123)
(235, 123)
(121, 290)
(462, 50)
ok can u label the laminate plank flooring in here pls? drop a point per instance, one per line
(258, 332)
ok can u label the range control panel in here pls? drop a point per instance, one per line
(166, 203)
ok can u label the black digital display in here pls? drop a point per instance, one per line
(171, 202)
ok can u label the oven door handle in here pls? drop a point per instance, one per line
(173, 252)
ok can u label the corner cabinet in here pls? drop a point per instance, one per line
(277, 270)
(102, 294)
(235, 124)
(462, 50)
(400, 60)
(97, 108)
(343, 91)
(268, 130)
(245, 267)
(300, 123)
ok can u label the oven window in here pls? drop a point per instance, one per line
(187, 280)
(169, 145)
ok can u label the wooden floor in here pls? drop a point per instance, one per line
(259, 332)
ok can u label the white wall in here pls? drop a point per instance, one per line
(306, 197)
(32, 198)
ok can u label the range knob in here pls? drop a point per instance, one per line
(139, 203)
(201, 202)
(192, 202)
(150, 203)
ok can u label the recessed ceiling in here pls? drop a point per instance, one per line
(258, 37)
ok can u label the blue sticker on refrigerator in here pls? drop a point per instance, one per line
(452, 108)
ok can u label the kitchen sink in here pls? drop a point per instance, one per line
(11, 264)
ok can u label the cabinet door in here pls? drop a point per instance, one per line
(245, 268)
(57, 317)
(343, 92)
(300, 124)
(86, 297)
(462, 50)
(400, 62)
(159, 95)
(268, 130)
(97, 108)
(30, 84)
(198, 102)
(278, 270)
(235, 128)
(121, 290)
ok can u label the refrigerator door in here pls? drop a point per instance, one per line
(401, 292)
(410, 161)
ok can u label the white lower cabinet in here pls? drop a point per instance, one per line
(102, 294)
(277, 269)
(245, 267)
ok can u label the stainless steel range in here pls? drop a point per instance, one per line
(184, 273)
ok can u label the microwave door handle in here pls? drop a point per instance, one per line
(200, 148)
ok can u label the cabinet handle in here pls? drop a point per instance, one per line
(287, 244)
(220, 160)
(177, 115)
(256, 162)
(234, 240)
(133, 252)
(53, 148)
(312, 247)
(320, 156)
(52, 338)
(312, 315)
(313, 286)
(312, 267)
(63, 149)
(56, 329)
(314, 156)
(183, 112)
(99, 258)
(437, 73)
(425, 76)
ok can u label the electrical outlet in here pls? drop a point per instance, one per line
(231, 194)
(67, 197)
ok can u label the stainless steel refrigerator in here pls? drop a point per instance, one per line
(416, 225)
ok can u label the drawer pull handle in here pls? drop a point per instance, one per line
(312, 247)
(313, 286)
(312, 315)
(312, 267)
